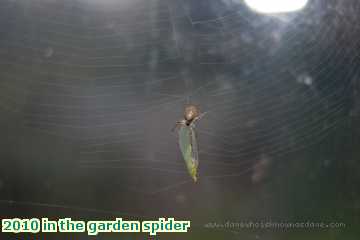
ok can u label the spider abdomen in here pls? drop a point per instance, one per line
(190, 113)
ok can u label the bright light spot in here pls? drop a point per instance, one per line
(276, 6)
(305, 79)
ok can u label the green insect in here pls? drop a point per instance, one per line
(187, 139)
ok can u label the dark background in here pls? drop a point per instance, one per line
(90, 90)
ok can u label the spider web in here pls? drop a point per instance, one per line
(112, 81)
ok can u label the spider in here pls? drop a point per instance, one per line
(191, 115)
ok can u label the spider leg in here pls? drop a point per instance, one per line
(198, 118)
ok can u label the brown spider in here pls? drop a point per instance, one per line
(191, 115)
